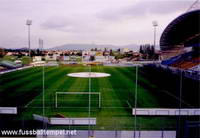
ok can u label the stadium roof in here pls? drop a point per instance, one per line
(184, 30)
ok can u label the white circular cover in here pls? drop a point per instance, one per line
(88, 75)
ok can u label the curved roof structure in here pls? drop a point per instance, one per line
(184, 30)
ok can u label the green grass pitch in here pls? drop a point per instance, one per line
(24, 90)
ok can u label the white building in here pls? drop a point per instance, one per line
(86, 55)
(37, 58)
(100, 59)
(66, 58)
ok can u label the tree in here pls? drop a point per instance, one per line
(19, 54)
(119, 50)
(32, 53)
(119, 56)
(147, 51)
(2, 53)
(92, 58)
(111, 52)
(141, 49)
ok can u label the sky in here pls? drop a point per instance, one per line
(58, 22)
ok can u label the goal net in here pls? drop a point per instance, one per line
(77, 99)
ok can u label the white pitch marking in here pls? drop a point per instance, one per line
(128, 104)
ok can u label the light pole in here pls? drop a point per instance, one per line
(180, 104)
(136, 89)
(155, 24)
(43, 79)
(43, 85)
(89, 104)
(29, 23)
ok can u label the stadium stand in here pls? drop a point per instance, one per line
(174, 41)
(183, 61)
(52, 63)
(180, 46)
(187, 64)
(195, 68)
(182, 31)
(2, 68)
(12, 70)
(177, 58)
(172, 52)
(9, 64)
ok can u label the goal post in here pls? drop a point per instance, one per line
(75, 93)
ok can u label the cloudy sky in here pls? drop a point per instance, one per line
(58, 22)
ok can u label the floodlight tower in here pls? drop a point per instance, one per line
(29, 23)
(136, 91)
(195, 5)
(155, 24)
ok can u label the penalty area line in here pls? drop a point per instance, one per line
(129, 105)
(29, 103)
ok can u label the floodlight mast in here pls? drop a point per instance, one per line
(89, 100)
(155, 24)
(43, 84)
(29, 23)
(194, 6)
(136, 91)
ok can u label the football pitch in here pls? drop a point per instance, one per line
(24, 89)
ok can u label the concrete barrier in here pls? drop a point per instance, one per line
(41, 118)
(110, 134)
(8, 110)
(12, 70)
(165, 112)
(73, 121)
(65, 121)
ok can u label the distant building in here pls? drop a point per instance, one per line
(99, 53)
(124, 50)
(9, 54)
(37, 58)
(38, 63)
(66, 58)
(18, 62)
(100, 58)
(51, 56)
(86, 55)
